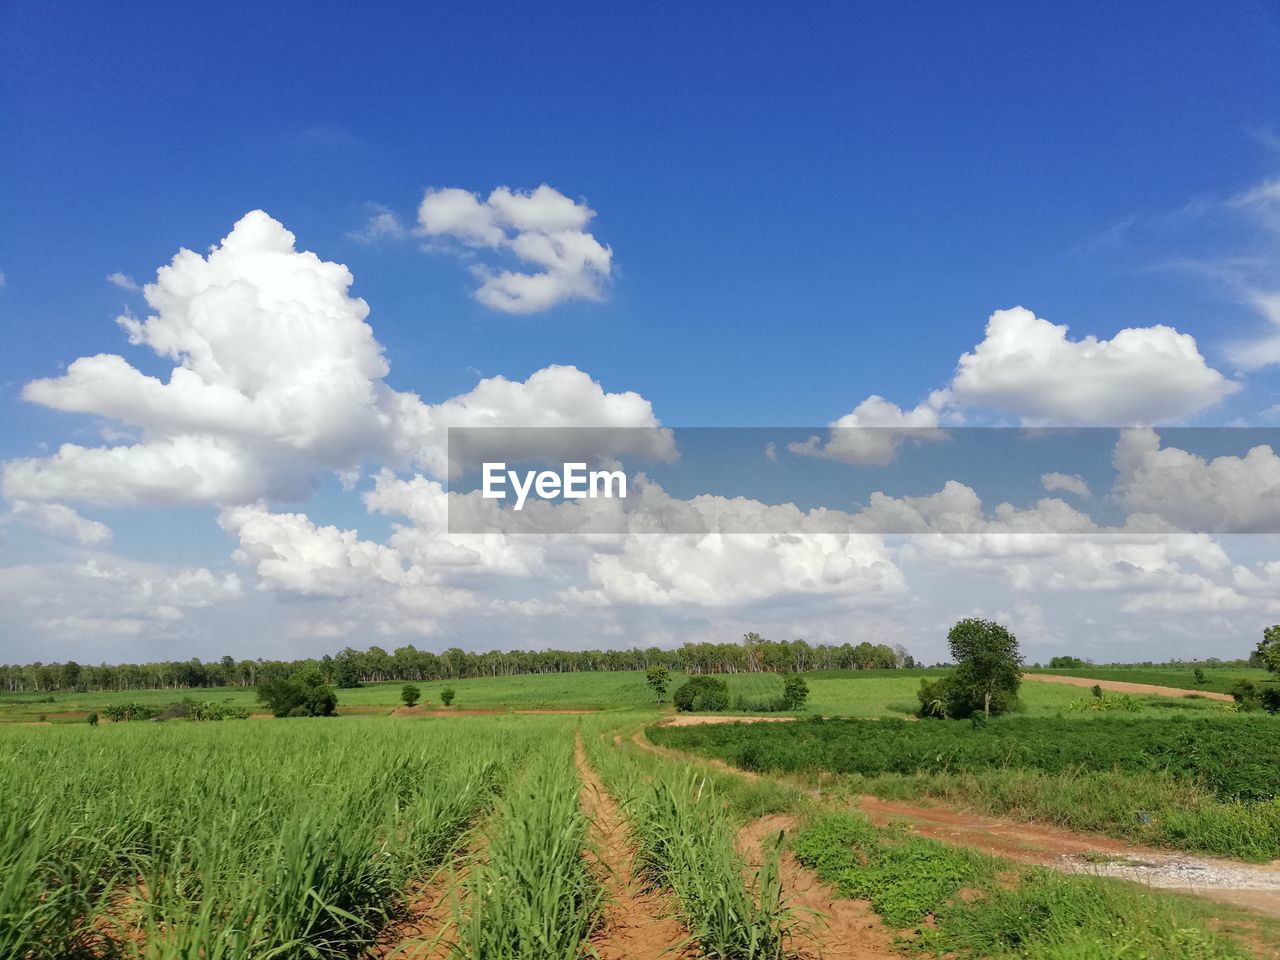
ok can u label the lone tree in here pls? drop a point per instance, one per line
(658, 677)
(794, 692)
(989, 664)
(987, 675)
(447, 695)
(410, 694)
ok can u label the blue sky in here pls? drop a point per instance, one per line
(805, 205)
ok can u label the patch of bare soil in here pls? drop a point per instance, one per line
(428, 927)
(1255, 886)
(829, 926)
(1121, 686)
(424, 932)
(697, 720)
(638, 924)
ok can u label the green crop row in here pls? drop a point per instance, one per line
(686, 833)
(252, 840)
(530, 895)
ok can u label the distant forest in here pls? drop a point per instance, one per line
(351, 667)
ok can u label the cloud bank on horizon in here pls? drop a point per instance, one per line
(277, 383)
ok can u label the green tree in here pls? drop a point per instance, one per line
(346, 669)
(447, 695)
(1268, 652)
(301, 694)
(988, 662)
(658, 677)
(794, 692)
(410, 694)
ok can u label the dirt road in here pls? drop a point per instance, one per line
(1121, 686)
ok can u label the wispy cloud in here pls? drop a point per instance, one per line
(123, 281)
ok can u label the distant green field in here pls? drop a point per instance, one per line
(1217, 680)
(847, 693)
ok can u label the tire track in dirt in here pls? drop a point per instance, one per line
(638, 924)
(828, 926)
(429, 924)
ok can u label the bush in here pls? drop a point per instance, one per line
(795, 692)
(302, 694)
(1066, 663)
(410, 694)
(447, 695)
(93, 719)
(950, 698)
(702, 693)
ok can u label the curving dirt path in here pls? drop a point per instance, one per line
(1122, 686)
(1254, 886)
(638, 924)
(829, 927)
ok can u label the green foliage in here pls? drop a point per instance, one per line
(122, 712)
(410, 694)
(447, 695)
(703, 694)
(951, 698)
(795, 692)
(1066, 663)
(904, 876)
(1047, 916)
(988, 668)
(93, 719)
(274, 845)
(1250, 698)
(1235, 757)
(532, 897)
(303, 694)
(658, 677)
(982, 910)
(1198, 675)
(1268, 652)
(686, 835)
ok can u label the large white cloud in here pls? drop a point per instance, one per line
(543, 228)
(1225, 494)
(279, 376)
(1028, 367)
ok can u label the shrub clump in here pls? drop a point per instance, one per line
(702, 693)
(302, 694)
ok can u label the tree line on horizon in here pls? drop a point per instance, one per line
(351, 667)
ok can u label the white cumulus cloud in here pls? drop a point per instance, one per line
(277, 376)
(1028, 367)
(542, 228)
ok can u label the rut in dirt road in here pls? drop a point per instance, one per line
(638, 924)
(828, 927)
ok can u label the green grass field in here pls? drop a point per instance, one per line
(834, 693)
(317, 838)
